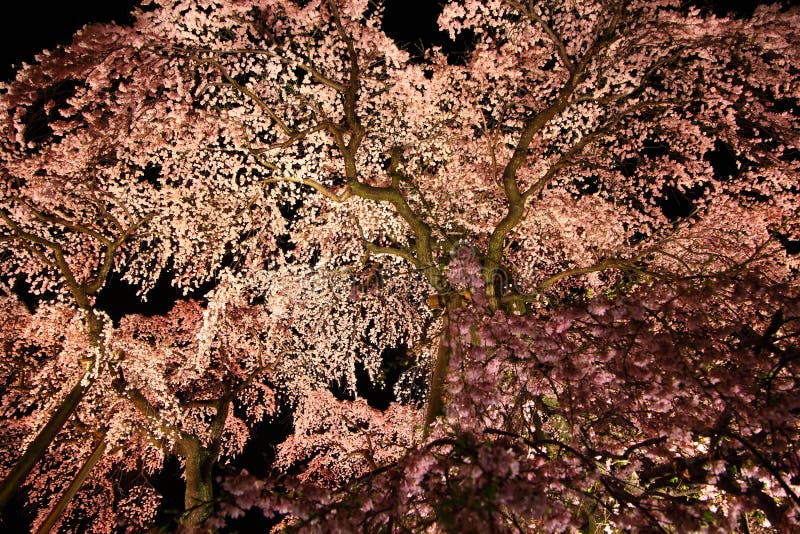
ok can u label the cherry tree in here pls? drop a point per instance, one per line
(591, 191)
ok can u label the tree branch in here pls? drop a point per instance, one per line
(247, 92)
(322, 189)
(392, 251)
(561, 48)
(315, 74)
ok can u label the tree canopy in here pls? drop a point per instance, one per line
(563, 243)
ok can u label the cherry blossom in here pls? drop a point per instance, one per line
(579, 232)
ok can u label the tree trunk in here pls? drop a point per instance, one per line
(199, 489)
(39, 445)
(74, 486)
(435, 404)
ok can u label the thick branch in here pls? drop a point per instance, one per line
(143, 406)
(435, 401)
(75, 485)
(516, 203)
(55, 219)
(421, 229)
(37, 447)
(392, 251)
